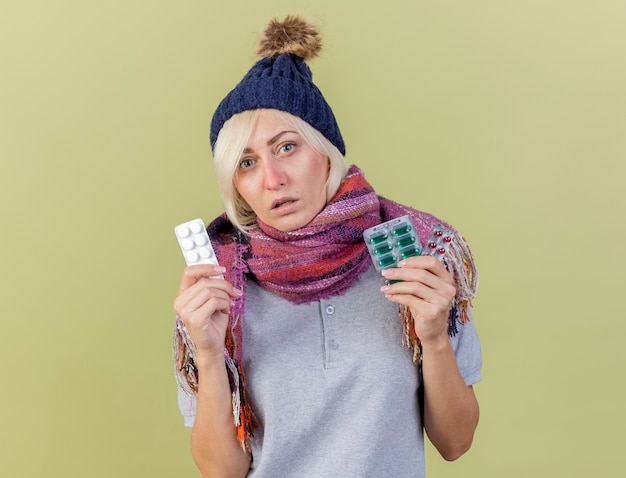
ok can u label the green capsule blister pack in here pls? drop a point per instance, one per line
(392, 241)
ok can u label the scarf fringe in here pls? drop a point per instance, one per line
(460, 263)
(243, 417)
(184, 352)
(186, 374)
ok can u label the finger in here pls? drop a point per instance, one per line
(204, 282)
(433, 316)
(207, 327)
(441, 296)
(197, 314)
(407, 277)
(197, 295)
(192, 274)
(411, 275)
(203, 290)
(428, 263)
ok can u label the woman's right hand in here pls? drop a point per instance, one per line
(203, 303)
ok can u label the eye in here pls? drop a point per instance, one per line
(287, 147)
(246, 163)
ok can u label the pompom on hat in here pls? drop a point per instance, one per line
(282, 80)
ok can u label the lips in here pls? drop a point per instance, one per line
(282, 202)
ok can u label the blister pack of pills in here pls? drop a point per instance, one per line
(195, 243)
(392, 241)
(439, 242)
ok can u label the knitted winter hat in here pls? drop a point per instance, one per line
(282, 80)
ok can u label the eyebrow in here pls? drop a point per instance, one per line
(272, 140)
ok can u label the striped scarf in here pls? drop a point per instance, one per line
(322, 259)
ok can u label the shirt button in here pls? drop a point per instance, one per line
(330, 310)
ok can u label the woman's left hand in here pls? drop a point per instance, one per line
(427, 288)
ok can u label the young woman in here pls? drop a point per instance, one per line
(343, 369)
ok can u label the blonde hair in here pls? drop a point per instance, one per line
(229, 146)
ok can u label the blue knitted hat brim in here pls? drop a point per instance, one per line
(282, 83)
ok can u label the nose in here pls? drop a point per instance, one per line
(274, 174)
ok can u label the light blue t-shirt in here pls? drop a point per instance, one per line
(333, 389)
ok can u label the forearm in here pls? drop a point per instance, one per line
(214, 444)
(450, 406)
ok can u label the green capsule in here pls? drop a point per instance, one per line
(387, 261)
(410, 252)
(401, 230)
(379, 238)
(384, 249)
(405, 241)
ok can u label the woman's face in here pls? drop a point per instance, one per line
(280, 176)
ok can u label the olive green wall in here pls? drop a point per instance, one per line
(505, 118)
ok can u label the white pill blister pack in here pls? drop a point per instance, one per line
(195, 243)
